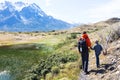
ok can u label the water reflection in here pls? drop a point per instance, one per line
(4, 75)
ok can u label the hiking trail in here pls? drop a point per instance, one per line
(109, 65)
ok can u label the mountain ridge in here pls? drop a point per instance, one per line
(95, 26)
(29, 17)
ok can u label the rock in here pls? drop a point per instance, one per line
(117, 72)
(111, 68)
(118, 67)
(102, 76)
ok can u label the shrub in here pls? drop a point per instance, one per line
(62, 66)
(30, 77)
(55, 70)
(51, 63)
(114, 34)
(49, 76)
(110, 34)
(73, 35)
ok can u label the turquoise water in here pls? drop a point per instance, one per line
(4, 75)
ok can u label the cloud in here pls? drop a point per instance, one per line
(48, 2)
(26, 1)
(110, 9)
(2, 0)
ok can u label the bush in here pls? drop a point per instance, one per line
(49, 76)
(55, 70)
(114, 34)
(110, 34)
(51, 64)
(72, 36)
(30, 77)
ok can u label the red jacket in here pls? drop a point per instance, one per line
(88, 42)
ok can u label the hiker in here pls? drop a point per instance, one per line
(97, 48)
(83, 47)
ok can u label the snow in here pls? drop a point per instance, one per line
(2, 6)
(24, 20)
(37, 9)
(15, 6)
(7, 17)
(19, 5)
(41, 15)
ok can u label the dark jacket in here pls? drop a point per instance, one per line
(98, 48)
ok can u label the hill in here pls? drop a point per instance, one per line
(95, 26)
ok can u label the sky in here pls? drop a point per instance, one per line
(78, 11)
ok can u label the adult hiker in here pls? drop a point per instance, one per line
(83, 46)
(97, 48)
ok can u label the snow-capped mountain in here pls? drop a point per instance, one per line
(21, 16)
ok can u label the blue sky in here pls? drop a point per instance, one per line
(78, 11)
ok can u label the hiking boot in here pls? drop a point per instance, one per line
(98, 66)
(86, 73)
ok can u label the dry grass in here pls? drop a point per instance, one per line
(69, 72)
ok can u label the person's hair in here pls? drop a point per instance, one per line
(84, 32)
(96, 41)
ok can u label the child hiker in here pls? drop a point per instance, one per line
(97, 48)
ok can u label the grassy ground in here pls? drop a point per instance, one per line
(19, 58)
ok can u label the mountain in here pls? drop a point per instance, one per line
(21, 16)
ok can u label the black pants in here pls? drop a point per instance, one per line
(85, 59)
(97, 59)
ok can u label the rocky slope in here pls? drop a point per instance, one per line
(110, 63)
